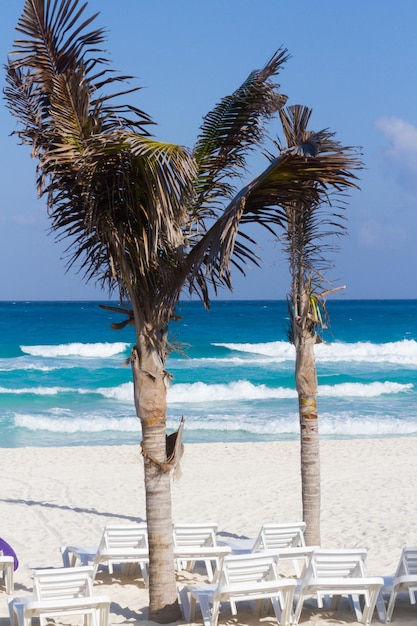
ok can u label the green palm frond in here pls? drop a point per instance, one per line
(234, 128)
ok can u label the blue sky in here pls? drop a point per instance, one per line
(354, 62)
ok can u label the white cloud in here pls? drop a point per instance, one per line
(401, 154)
(377, 234)
(403, 140)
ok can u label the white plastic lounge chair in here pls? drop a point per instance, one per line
(294, 561)
(8, 564)
(286, 540)
(197, 542)
(271, 536)
(277, 536)
(243, 577)
(61, 593)
(340, 573)
(120, 544)
(405, 579)
(7, 571)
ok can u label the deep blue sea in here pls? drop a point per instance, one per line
(63, 380)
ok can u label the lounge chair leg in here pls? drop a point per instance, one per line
(380, 607)
(208, 617)
(357, 607)
(214, 614)
(370, 603)
(209, 571)
(391, 605)
(298, 609)
(185, 605)
(144, 569)
(8, 579)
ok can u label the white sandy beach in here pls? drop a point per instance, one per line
(55, 496)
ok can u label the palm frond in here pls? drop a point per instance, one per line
(294, 122)
(300, 184)
(24, 101)
(122, 215)
(118, 198)
(57, 44)
(53, 42)
(234, 128)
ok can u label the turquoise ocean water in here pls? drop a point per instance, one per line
(62, 379)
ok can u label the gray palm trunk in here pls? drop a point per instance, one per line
(306, 385)
(305, 338)
(150, 389)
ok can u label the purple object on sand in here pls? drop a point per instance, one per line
(8, 551)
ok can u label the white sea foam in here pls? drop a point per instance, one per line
(241, 390)
(123, 393)
(19, 364)
(369, 390)
(115, 392)
(92, 424)
(277, 350)
(399, 352)
(95, 350)
(342, 425)
(347, 425)
(36, 391)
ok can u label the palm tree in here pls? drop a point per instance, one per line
(142, 217)
(307, 223)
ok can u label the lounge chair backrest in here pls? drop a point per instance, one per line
(197, 535)
(248, 570)
(120, 537)
(408, 562)
(405, 579)
(63, 583)
(336, 564)
(7, 570)
(276, 536)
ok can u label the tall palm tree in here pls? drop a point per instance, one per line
(308, 223)
(142, 217)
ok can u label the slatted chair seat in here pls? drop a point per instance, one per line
(61, 593)
(332, 574)
(251, 578)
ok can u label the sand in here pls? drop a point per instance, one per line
(55, 496)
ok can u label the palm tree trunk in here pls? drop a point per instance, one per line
(306, 384)
(149, 378)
